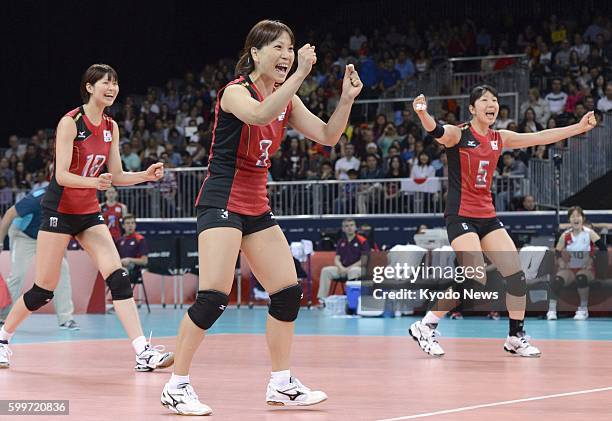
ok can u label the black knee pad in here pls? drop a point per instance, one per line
(582, 281)
(37, 297)
(119, 284)
(517, 284)
(285, 304)
(208, 307)
(557, 285)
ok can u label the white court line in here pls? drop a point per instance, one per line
(487, 405)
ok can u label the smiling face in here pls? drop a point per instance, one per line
(100, 84)
(275, 59)
(485, 108)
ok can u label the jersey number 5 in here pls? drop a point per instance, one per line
(481, 175)
(93, 165)
(264, 155)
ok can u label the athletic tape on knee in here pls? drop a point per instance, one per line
(582, 281)
(119, 284)
(36, 297)
(208, 307)
(517, 284)
(285, 304)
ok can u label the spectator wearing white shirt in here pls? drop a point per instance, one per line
(605, 103)
(582, 49)
(15, 148)
(539, 105)
(357, 40)
(557, 98)
(346, 163)
(423, 169)
(503, 119)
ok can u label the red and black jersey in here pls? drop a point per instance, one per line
(471, 165)
(89, 154)
(112, 215)
(239, 159)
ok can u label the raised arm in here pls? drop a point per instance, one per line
(514, 140)
(237, 100)
(313, 127)
(447, 135)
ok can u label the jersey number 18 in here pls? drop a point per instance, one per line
(93, 165)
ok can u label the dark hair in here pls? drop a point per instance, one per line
(128, 216)
(578, 209)
(479, 91)
(260, 35)
(428, 158)
(94, 73)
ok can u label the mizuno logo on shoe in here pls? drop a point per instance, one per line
(292, 396)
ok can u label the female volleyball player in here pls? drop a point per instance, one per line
(86, 141)
(233, 213)
(576, 247)
(473, 150)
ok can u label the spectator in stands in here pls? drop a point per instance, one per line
(423, 62)
(132, 248)
(279, 166)
(528, 204)
(6, 172)
(392, 193)
(503, 118)
(130, 159)
(379, 126)
(296, 159)
(32, 160)
(538, 105)
(589, 103)
(529, 123)
(423, 169)
(356, 41)
(387, 138)
(388, 76)
(557, 99)
(372, 169)
(540, 151)
(15, 148)
(605, 104)
(346, 163)
(22, 178)
(510, 187)
(562, 57)
(352, 251)
(404, 65)
(581, 48)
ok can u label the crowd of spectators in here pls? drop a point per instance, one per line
(570, 73)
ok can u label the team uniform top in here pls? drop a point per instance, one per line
(89, 154)
(580, 248)
(240, 158)
(28, 213)
(112, 215)
(471, 164)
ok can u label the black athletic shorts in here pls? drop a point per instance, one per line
(209, 217)
(66, 223)
(459, 225)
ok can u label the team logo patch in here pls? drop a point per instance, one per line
(108, 136)
(494, 145)
(471, 143)
(81, 135)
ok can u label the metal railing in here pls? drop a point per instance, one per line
(584, 159)
(175, 195)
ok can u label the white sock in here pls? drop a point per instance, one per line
(280, 378)
(139, 344)
(4, 335)
(175, 380)
(430, 319)
(552, 305)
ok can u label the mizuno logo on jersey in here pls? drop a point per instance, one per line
(81, 135)
(471, 143)
(108, 136)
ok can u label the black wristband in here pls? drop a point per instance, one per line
(438, 132)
